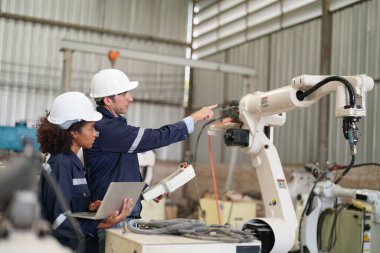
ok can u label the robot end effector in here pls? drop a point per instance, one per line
(350, 99)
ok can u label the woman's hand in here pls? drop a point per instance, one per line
(117, 217)
(94, 206)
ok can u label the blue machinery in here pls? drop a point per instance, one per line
(12, 138)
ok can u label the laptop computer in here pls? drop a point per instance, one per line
(113, 199)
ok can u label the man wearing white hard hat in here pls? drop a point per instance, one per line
(68, 127)
(113, 157)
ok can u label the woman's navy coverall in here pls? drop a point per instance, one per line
(70, 175)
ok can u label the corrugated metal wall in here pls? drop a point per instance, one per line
(222, 24)
(295, 51)
(208, 88)
(160, 18)
(31, 64)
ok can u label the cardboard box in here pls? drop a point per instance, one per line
(171, 212)
(230, 212)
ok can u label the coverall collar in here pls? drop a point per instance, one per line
(107, 113)
(74, 158)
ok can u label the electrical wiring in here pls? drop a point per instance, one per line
(302, 95)
(195, 152)
(342, 167)
(338, 208)
(194, 163)
(214, 179)
(321, 219)
(306, 209)
(308, 206)
(190, 228)
(365, 164)
(346, 170)
(332, 236)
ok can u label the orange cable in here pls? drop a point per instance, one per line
(213, 178)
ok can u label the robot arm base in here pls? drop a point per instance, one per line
(273, 234)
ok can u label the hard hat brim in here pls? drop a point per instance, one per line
(132, 85)
(96, 116)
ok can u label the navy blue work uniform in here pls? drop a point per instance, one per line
(113, 156)
(70, 175)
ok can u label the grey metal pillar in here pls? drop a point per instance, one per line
(67, 66)
(248, 83)
(325, 69)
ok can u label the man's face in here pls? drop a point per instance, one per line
(119, 104)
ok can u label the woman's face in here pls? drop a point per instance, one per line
(86, 137)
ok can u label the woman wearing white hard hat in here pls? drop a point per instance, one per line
(68, 127)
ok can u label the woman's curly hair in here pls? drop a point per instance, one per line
(55, 140)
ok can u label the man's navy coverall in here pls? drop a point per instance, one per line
(113, 156)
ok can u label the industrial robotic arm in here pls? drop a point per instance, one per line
(323, 197)
(303, 92)
(262, 109)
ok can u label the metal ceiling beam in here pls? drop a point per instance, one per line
(99, 30)
(159, 58)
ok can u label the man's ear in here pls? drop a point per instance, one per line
(107, 100)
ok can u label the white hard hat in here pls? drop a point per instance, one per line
(109, 82)
(71, 107)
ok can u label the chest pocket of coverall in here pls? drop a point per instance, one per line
(81, 198)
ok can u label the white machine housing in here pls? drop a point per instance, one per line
(147, 160)
(325, 194)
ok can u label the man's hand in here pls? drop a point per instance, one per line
(117, 217)
(94, 206)
(204, 113)
(158, 199)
